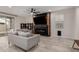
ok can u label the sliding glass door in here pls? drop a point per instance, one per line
(4, 24)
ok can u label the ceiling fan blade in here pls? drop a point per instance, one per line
(33, 10)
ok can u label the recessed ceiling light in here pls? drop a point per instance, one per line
(10, 6)
(49, 10)
(31, 13)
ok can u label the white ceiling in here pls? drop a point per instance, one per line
(23, 10)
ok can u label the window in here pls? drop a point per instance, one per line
(6, 21)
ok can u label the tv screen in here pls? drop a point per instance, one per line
(40, 20)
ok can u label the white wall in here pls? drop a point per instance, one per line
(77, 24)
(69, 22)
(18, 20)
(29, 19)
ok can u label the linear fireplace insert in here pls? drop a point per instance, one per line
(41, 29)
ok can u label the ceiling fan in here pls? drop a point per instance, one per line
(33, 11)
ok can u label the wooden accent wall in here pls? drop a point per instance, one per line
(48, 17)
(49, 23)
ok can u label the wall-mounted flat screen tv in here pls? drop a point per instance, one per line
(40, 20)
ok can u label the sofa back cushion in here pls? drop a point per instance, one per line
(23, 30)
(12, 31)
(21, 33)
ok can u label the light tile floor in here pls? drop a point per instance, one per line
(46, 44)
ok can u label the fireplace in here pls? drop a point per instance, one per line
(59, 33)
(41, 25)
(41, 29)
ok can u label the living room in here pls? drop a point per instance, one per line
(52, 28)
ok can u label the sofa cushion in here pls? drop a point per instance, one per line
(12, 31)
(23, 30)
(21, 33)
(29, 35)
